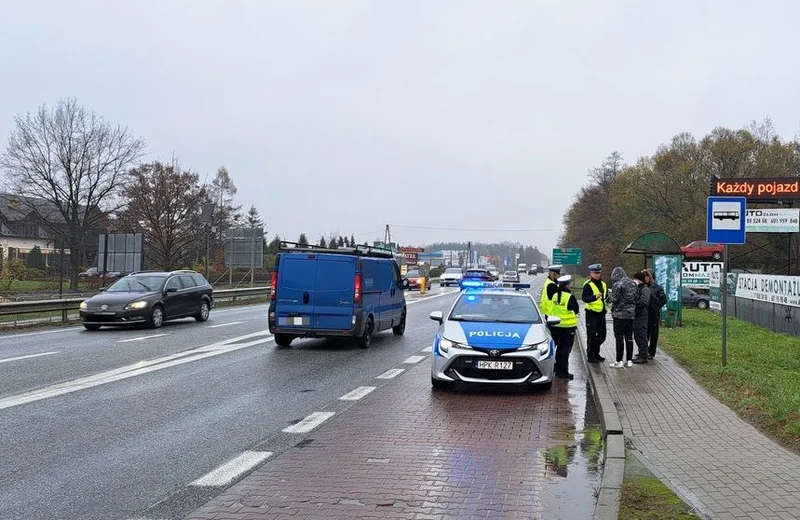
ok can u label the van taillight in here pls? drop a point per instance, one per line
(274, 285)
(357, 287)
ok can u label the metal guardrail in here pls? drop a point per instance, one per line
(73, 304)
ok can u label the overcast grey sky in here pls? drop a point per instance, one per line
(348, 115)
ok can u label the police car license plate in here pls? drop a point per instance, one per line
(496, 365)
(295, 320)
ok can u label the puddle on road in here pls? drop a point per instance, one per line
(573, 470)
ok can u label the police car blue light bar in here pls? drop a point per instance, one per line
(478, 284)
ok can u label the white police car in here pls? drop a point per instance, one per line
(493, 333)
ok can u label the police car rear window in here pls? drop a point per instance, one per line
(495, 308)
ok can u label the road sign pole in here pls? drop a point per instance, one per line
(724, 287)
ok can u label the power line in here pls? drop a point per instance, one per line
(476, 229)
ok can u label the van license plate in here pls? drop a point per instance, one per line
(496, 365)
(295, 320)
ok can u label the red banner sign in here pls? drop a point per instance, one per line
(755, 190)
(411, 249)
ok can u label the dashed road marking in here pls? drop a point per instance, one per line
(428, 349)
(142, 338)
(29, 356)
(414, 359)
(391, 374)
(225, 324)
(357, 394)
(309, 423)
(228, 472)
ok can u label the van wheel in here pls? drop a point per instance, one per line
(366, 337)
(156, 319)
(400, 328)
(283, 340)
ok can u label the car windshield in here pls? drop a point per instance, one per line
(137, 284)
(510, 273)
(495, 308)
(453, 270)
(413, 274)
(475, 273)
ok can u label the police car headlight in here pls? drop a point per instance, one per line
(543, 348)
(445, 345)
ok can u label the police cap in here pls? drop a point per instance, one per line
(564, 280)
(555, 268)
(596, 268)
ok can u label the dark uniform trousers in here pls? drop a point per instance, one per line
(564, 338)
(595, 332)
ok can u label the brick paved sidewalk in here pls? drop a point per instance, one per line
(408, 452)
(724, 466)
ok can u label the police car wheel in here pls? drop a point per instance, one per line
(439, 385)
(544, 387)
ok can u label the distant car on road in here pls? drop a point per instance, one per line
(511, 276)
(700, 249)
(689, 298)
(93, 272)
(450, 276)
(479, 274)
(149, 298)
(414, 280)
(494, 272)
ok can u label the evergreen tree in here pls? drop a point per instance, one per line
(322, 242)
(302, 240)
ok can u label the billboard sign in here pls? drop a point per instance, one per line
(697, 275)
(782, 290)
(758, 190)
(120, 252)
(244, 247)
(785, 220)
(714, 285)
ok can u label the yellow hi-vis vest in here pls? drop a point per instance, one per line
(597, 305)
(544, 303)
(559, 308)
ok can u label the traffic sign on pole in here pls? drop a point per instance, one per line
(725, 220)
(568, 256)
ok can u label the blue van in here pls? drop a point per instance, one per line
(320, 292)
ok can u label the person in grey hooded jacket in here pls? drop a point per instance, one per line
(623, 310)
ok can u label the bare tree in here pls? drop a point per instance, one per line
(68, 165)
(164, 203)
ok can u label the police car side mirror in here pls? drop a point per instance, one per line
(553, 320)
(438, 316)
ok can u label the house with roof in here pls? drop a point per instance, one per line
(26, 223)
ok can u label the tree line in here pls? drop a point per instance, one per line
(496, 252)
(667, 192)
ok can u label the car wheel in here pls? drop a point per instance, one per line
(400, 328)
(156, 319)
(545, 387)
(204, 311)
(439, 385)
(91, 327)
(366, 337)
(283, 340)
(702, 304)
(716, 255)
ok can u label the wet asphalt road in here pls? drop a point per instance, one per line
(107, 424)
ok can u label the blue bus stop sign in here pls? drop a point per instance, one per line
(725, 220)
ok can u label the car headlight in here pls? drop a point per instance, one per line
(541, 348)
(84, 306)
(135, 306)
(445, 345)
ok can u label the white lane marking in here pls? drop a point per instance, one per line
(357, 394)
(228, 472)
(309, 423)
(414, 359)
(29, 356)
(28, 334)
(428, 349)
(225, 324)
(137, 369)
(426, 298)
(390, 374)
(142, 338)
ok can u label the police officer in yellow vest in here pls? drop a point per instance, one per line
(564, 305)
(549, 288)
(595, 295)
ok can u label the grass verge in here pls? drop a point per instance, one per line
(644, 497)
(761, 381)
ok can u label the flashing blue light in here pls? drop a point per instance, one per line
(471, 298)
(478, 284)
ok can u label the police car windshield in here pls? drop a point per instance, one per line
(495, 308)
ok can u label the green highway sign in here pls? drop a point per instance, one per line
(567, 256)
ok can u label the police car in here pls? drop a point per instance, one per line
(493, 333)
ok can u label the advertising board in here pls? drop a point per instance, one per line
(697, 275)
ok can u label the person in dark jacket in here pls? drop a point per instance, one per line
(641, 317)
(564, 305)
(623, 310)
(658, 298)
(594, 295)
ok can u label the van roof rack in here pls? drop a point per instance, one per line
(359, 250)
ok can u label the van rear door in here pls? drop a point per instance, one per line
(294, 305)
(334, 298)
